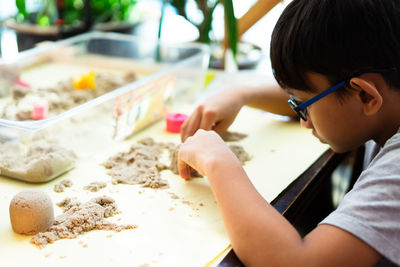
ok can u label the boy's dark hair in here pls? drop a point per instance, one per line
(336, 38)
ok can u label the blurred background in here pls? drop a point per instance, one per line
(25, 23)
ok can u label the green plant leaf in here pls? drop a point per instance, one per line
(206, 26)
(231, 23)
(180, 6)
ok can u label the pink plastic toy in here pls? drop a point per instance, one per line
(23, 84)
(174, 122)
(39, 111)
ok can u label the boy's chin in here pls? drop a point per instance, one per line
(336, 148)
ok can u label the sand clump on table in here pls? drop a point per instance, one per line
(61, 186)
(31, 211)
(240, 153)
(229, 136)
(60, 97)
(42, 161)
(79, 218)
(95, 186)
(141, 164)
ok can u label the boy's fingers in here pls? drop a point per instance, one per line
(190, 126)
(185, 128)
(221, 127)
(207, 121)
(184, 170)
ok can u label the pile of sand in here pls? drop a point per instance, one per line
(59, 98)
(79, 218)
(61, 186)
(142, 165)
(31, 211)
(42, 161)
(95, 186)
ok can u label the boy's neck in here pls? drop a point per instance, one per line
(389, 118)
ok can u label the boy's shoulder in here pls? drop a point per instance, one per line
(388, 154)
(371, 210)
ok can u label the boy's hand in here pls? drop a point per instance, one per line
(217, 114)
(205, 152)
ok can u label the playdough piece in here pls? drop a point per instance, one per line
(86, 81)
(31, 211)
(174, 122)
(40, 111)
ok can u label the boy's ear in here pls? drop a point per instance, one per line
(368, 94)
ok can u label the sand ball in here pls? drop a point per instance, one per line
(31, 211)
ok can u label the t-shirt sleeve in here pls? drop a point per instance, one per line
(371, 210)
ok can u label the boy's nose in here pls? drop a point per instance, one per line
(306, 124)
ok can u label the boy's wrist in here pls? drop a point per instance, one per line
(222, 166)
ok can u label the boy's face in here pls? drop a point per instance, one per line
(339, 123)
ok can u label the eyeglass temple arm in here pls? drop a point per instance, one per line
(321, 95)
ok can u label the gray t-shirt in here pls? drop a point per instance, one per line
(371, 210)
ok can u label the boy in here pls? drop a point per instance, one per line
(339, 62)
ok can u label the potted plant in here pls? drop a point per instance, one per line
(247, 55)
(207, 8)
(55, 19)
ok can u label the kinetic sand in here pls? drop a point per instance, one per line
(79, 218)
(142, 165)
(31, 211)
(42, 161)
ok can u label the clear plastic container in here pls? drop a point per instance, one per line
(40, 150)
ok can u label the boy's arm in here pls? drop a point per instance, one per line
(272, 99)
(218, 112)
(260, 235)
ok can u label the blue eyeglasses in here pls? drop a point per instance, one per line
(301, 107)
